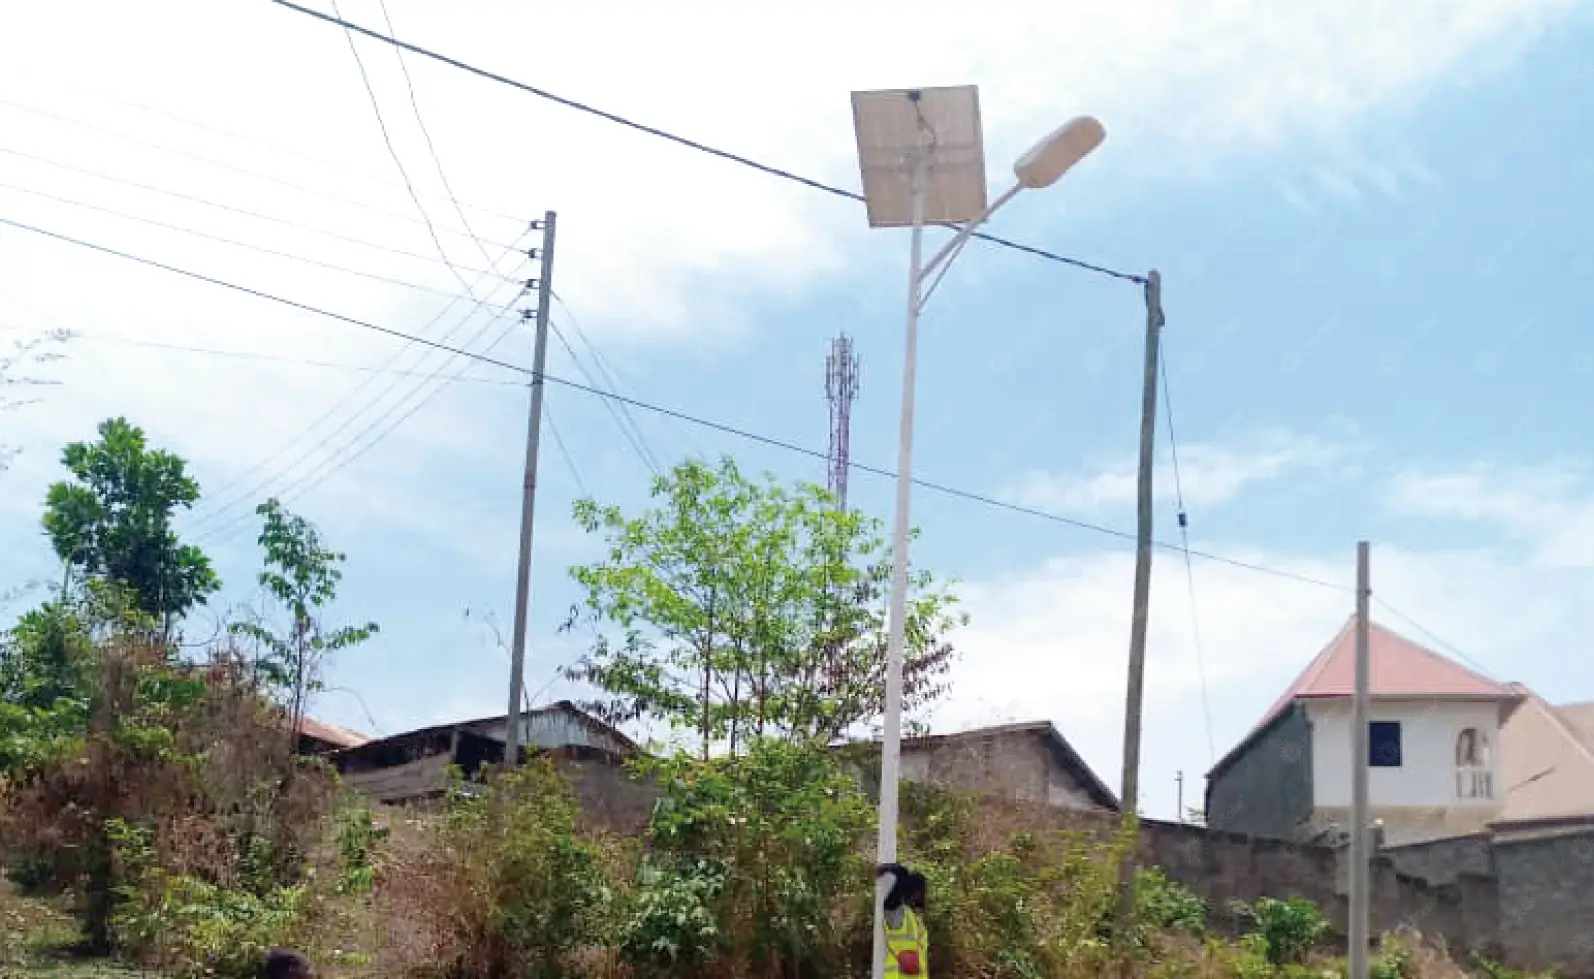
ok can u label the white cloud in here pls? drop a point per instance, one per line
(1549, 507)
(658, 243)
(1208, 474)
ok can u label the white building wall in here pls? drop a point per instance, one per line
(1427, 774)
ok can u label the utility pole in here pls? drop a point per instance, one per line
(543, 284)
(1359, 862)
(1178, 780)
(1135, 695)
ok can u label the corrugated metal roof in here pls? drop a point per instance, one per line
(338, 737)
(1400, 669)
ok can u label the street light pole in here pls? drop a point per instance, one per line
(936, 133)
(891, 741)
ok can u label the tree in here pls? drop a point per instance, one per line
(113, 521)
(302, 575)
(737, 608)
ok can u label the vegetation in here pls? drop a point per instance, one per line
(152, 811)
(302, 575)
(740, 609)
(159, 797)
(111, 522)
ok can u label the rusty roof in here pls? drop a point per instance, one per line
(337, 737)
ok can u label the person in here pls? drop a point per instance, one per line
(282, 963)
(907, 940)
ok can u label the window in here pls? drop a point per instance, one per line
(1383, 744)
(1474, 779)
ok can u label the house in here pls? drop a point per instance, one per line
(1546, 767)
(414, 766)
(1029, 761)
(1434, 736)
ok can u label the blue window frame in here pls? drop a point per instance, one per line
(1383, 744)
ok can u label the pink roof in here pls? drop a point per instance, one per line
(1400, 669)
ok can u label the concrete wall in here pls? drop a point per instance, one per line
(610, 798)
(1267, 791)
(1443, 861)
(1546, 909)
(1020, 764)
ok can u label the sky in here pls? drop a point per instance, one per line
(1368, 219)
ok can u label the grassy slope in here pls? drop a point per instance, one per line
(35, 939)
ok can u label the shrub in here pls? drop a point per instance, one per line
(1165, 903)
(1291, 927)
(523, 890)
(190, 927)
(751, 858)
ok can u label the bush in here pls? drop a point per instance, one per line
(1165, 903)
(751, 857)
(190, 927)
(522, 889)
(1291, 927)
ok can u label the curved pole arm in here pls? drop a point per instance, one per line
(942, 259)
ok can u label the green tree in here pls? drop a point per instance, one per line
(302, 575)
(738, 608)
(113, 521)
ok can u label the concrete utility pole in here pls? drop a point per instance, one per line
(528, 503)
(1359, 857)
(1130, 789)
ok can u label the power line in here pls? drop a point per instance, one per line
(606, 370)
(415, 106)
(329, 266)
(681, 140)
(708, 423)
(219, 131)
(570, 462)
(1189, 567)
(338, 462)
(198, 158)
(345, 459)
(620, 413)
(310, 451)
(268, 358)
(376, 109)
(1438, 641)
(178, 195)
(348, 398)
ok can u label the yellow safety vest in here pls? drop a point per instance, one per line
(910, 935)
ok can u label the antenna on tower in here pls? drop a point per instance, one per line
(841, 389)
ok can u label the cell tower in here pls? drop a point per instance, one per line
(841, 389)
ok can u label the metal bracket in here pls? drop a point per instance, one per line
(532, 285)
